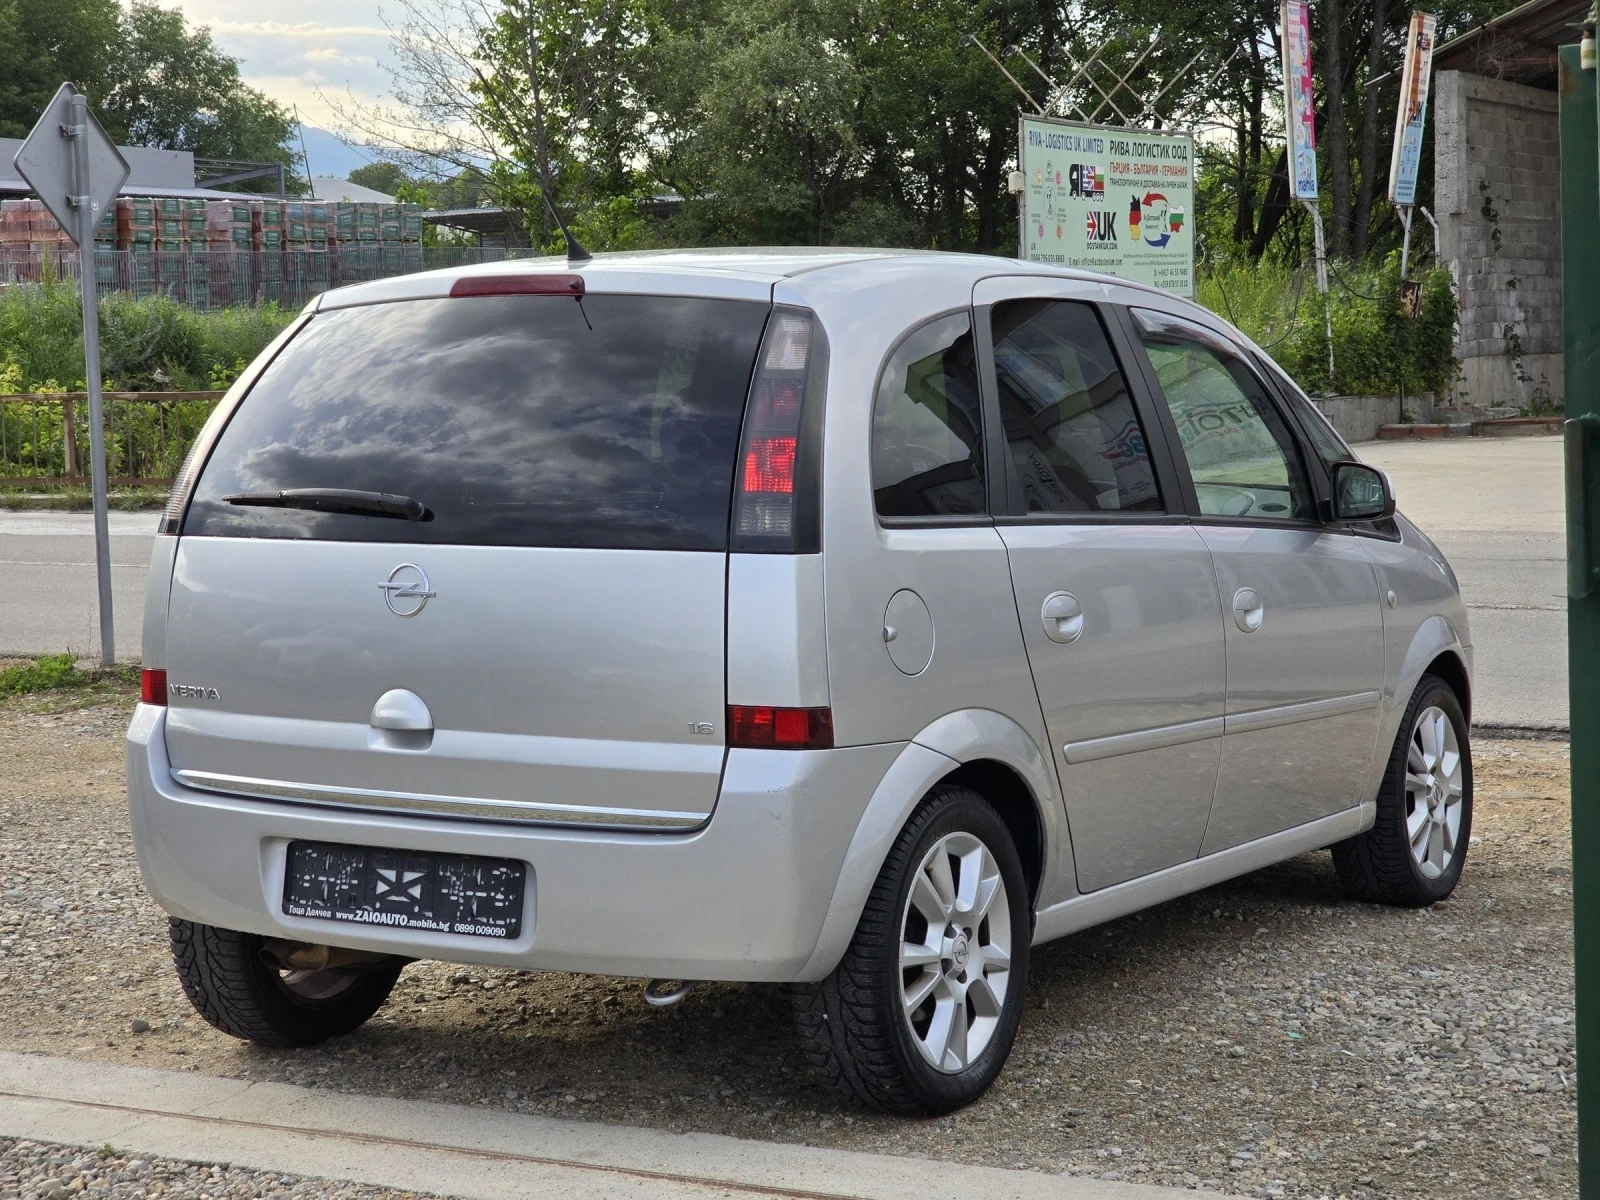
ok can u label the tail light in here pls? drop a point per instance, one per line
(517, 285)
(757, 727)
(153, 686)
(775, 499)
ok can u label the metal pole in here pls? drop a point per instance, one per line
(1580, 285)
(1405, 243)
(1438, 254)
(87, 220)
(1322, 280)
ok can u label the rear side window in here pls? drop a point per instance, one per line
(927, 427)
(515, 420)
(1069, 419)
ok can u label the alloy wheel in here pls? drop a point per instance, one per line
(955, 952)
(1434, 771)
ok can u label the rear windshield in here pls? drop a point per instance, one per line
(515, 420)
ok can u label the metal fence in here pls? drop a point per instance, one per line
(44, 440)
(228, 279)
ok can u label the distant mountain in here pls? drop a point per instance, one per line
(332, 156)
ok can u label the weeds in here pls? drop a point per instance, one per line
(56, 673)
(150, 343)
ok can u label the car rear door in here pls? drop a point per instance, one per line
(546, 642)
(1115, 590)
(1303, 621)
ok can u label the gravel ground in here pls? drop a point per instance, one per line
(41, 1171)
(1262, 1037)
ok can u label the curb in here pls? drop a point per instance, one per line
(478, 1152)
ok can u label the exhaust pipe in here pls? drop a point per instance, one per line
(303, 956)
(664, 993)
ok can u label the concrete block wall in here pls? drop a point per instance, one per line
(1357, 417)
(1497, 146)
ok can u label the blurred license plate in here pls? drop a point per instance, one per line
(445, 893)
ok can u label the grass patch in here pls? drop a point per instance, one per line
(59, 673)
(82, 500)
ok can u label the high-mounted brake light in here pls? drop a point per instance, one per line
(518, 285)
(758, 727)
(764, 505)
(153, 686)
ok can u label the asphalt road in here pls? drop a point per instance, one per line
(49, 597)
(1493, 505)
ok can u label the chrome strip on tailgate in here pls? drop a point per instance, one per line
(440, 806)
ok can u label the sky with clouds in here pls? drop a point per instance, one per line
(300, 51)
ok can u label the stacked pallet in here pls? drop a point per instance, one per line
(28, 225)
(228, 225)
(181, 225)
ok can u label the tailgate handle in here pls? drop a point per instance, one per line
(402, 711)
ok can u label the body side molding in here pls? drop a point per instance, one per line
(1082, 912)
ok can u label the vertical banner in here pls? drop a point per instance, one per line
(1413, 110)
(1298, 99)
(1110, 200)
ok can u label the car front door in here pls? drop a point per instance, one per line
(1300, 601)
(1115, 589)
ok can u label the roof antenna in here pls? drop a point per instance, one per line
(575, 251)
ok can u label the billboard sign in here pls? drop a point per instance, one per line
(1299, 104)
(1107, 199)
(1412, 114)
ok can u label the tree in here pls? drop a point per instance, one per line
(386, 177)
(42, 43)
(533, 96)
(172, 88)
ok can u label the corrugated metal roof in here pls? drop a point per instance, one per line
(1519, 45)
(17, 188)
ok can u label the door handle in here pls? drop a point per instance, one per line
(1248, 610)
(1062, 616)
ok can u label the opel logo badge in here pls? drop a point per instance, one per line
(407, 590)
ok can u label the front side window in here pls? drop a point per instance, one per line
(1069, 419)
(1325, 440)
(927, 428)
(1239, 449)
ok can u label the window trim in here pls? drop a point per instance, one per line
(1138, 322)
(985, 431)
(1009, 507)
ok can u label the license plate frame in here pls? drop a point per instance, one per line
(461, 894)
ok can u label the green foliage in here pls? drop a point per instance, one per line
(1377, 351)
(149, 343)
(57, 672)
(42, 674)
(43, 42)
(385, 177)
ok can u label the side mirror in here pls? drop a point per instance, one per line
(1361, 493)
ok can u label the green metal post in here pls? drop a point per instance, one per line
(1580, 251)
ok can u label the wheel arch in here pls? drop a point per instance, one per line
(1435, 648)
(977, 748)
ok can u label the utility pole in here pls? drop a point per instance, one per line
(1580, 250)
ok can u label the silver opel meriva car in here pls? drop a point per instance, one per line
(852, 620)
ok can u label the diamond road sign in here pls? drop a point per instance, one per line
(46, 162)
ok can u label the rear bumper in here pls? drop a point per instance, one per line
(743, 898)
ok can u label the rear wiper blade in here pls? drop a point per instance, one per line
(338, 500)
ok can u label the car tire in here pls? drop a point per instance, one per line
(863, 1040)
(237, 989)
(1414, 853)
